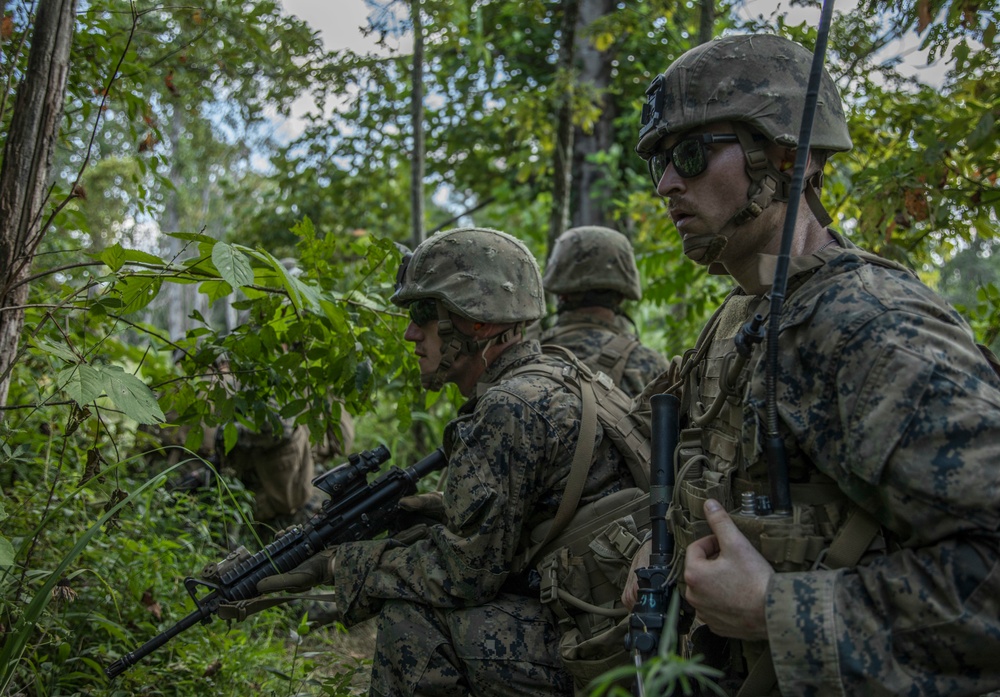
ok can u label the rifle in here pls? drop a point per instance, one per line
(356, 510)
(648, 617)
(197, 479)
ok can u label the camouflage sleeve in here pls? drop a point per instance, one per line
(913, 436)
(498, 472)
(643, 367)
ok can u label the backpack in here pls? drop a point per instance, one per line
(584, 553)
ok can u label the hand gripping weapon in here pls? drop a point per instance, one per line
(356, 510)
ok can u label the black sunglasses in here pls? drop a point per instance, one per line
(423, 311)
(687, 155)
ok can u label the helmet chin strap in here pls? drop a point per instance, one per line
(767, 184)
(456, 343)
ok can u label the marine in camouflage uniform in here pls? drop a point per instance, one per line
(278, 467)
(888, 411)
(592, 270)
(451, 618)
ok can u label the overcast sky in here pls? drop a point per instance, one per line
(339, 22)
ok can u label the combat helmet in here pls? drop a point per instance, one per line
(592, 258)
(757, 82)
(477, 273)
(480, 274)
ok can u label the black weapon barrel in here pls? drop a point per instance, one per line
(360, 513)
(133, 657)
(665, 436)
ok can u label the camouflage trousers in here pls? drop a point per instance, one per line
(508, 646)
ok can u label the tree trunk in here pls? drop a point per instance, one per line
(177, 294)
(707, 23)
(27, 161)
(417, 117)
(562, 157)
(591, 190)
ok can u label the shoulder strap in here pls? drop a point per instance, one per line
(615, 354)
(583, 455)
(582, 459)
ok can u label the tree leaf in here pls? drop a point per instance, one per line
(54, 350)
(137, 291)
(117, 256)
(81, 382)
(232, 264)
(131, 395)
(215, 290)
(603, 41)
(114, 256)
(6, 553)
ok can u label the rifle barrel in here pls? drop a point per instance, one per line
(133, 657)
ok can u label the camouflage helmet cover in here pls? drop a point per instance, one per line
(480, 274)
(592, 258)
(759, 79)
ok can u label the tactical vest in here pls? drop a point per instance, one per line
(718, 457)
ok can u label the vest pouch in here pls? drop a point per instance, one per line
(694, 492)
(587, 659)
(791, 543)
(582, 582)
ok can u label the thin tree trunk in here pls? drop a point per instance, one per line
(591, 190)
(178, 299)
(417, 114)
(707, 23)
(27, 161)
(562, 160)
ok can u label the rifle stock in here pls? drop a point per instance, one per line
(357, 510)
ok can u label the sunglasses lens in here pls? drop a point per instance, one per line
(689, 158)
(422, 311)
(658, 166)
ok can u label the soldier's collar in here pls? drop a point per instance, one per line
(768, 263)
(522, 352)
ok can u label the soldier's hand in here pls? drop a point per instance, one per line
(430, 505)
(317, 570)
(727, 579)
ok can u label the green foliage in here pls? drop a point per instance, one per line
(167, 113)
(665, 674)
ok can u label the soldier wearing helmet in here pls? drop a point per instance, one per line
(884, 578)
(592, 271)
(453, 616)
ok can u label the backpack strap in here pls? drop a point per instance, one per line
(582, 459)
(583, 455)
(615, 354)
